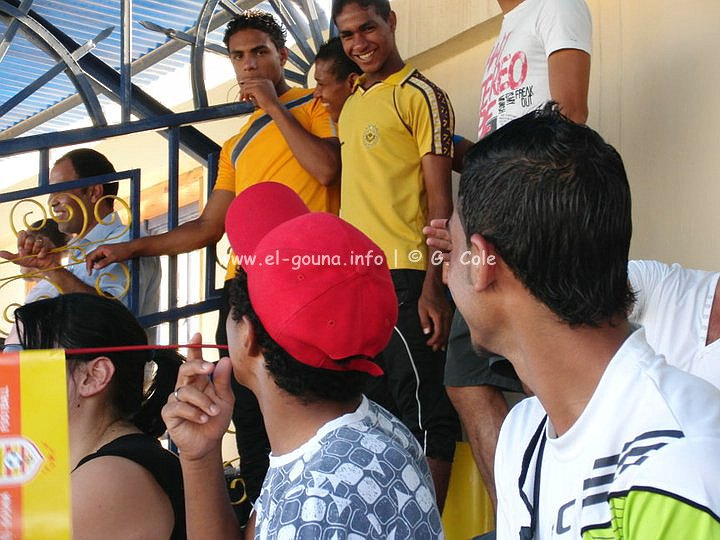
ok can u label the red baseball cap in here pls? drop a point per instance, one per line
(321, 288)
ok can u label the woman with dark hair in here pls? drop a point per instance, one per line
(124, 484)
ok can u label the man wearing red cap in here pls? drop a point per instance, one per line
(311, 306)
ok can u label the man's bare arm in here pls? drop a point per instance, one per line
(34, 252)
(433, 305)
(569, 77)
(209, 514)
(460, 147)
(197, 415)
(66, 282)
(318, 156)
(482, 410)
(207, 229)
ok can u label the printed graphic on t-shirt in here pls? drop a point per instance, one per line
(505, 86)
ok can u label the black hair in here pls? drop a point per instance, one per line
(79, 320)
(340, 64)
(382, 7)
(256, 20)
(308, 383)
(554, 200)
(49, 228)
(88, 162)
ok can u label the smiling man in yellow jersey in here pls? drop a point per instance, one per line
(396, 132)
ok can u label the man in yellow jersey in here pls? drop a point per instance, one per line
(396, 132)
(289, 139)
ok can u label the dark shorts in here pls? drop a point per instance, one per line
(412, 386)
(465, 367)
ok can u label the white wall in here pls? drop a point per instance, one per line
(653, 82)
(653, 95)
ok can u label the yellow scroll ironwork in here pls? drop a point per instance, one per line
(63, 207)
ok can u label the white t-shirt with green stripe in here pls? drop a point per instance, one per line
(641, 463)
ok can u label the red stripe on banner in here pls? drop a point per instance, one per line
(10, 394)
(10, 425)
(11, 512)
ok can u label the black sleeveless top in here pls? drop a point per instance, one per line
(147, 452)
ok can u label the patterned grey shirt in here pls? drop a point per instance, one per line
(362, 475)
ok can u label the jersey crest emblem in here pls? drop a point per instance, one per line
(370, 136)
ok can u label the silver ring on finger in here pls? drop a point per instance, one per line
(175, 393)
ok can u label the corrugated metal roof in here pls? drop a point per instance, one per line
(27, 59)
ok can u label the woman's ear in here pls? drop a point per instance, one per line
(93, 377)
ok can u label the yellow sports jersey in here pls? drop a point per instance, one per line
(259, 153)
(385, 131)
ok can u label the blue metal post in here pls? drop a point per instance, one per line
(125, 59)
(211, 251)
(135, 233)
(173, 215)
(44, 167)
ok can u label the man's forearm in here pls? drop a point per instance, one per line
(320, 157)
(209, 515)
(186, 237)
(438, 184)
(482, 410)
(569, 79)
(433, 276)
(203, 231)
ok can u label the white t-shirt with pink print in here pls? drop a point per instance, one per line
(516, 74)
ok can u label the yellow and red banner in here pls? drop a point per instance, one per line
(34, 461)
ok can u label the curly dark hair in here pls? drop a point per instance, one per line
(49, 228)
(308, 383)
(256, 20)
